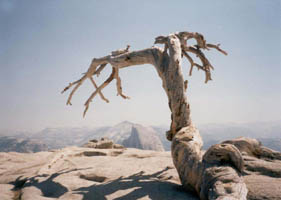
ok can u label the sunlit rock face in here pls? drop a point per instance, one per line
(115, 173)
(81, 173)
(143, 138)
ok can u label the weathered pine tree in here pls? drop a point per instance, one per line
(214, 174)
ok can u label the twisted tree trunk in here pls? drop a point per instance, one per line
(216, 174)
(199, 173)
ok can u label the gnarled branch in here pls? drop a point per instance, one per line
(118, 59)
(118, 84)
(217, 47)
(100, 93)
(201, 44)
(98, 90)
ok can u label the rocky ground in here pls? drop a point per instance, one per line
(87, 173)
(92, 173)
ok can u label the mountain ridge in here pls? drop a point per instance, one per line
(269, 133)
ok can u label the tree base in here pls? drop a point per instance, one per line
(230, 170)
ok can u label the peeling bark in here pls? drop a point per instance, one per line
(217, 174)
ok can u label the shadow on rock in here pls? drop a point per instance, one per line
(136, 186)
(48, 187)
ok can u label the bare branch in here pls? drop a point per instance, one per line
(184, 36)
(118, 84)
(205, 62)
(105, 83)
(69, 86)
(217, 47)
(102, 66)
(120, 51)
(201, 44)
(77, 85)
(199, 54)
(161, 40)
(122, 59)
(190, 60)
(100, 93)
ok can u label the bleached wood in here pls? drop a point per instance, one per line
(98, 90)
(100, 93)
(217, 174)
(118, 84)
(120, 51)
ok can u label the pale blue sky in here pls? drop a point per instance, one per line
(46, 44)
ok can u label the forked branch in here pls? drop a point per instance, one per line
(217, 47)
(118, 84)
(123, 58)
(118, 59)
(98, 90)
(201, 44)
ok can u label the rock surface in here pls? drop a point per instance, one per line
(262, 168)
(91, 173)
(87, 173)
(103, 143)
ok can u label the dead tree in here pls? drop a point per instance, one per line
(216, 174)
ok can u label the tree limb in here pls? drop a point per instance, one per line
(100, 93)
(102, 66)
(201, 44)
(118, 84)
(121, 59)
(98, 90)
(207, 67)
(77, 85)
(217, 47)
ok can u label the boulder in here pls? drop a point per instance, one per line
(103, 143)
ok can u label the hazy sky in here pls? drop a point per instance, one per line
(44, 45)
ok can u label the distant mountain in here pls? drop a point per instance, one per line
(269, 133)
(16, 134)
(8, 144)
(119, 132)
(273, 143)
(57, 138)
(161, 132)
(143, 138)
(266, 132)
(133, 135)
